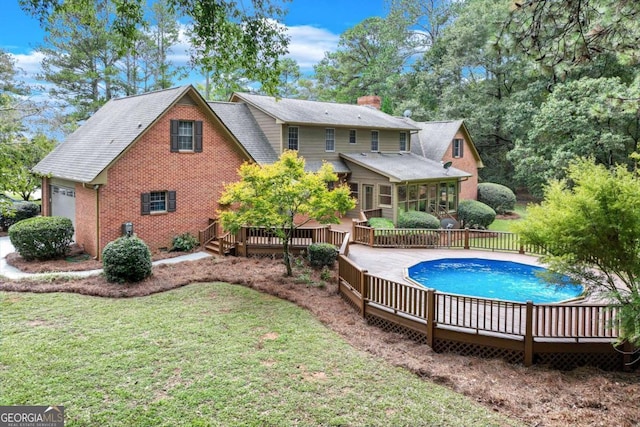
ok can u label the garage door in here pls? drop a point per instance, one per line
(63, 202)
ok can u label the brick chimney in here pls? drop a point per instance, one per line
(370, 100)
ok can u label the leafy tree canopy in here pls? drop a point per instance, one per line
(233, 36)
(563, 33)
(283, 197)
(580, 118)
(590, 224)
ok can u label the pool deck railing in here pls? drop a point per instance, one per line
(440, 238)
(560, 335)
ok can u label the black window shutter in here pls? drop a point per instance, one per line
(145, 208)
(171, 201)
(197, 137)
(461, 147)
(174, 135)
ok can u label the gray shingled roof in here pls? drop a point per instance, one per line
(401, 167)
(298, 111)
(434, 138)
(238, 119)
(338, 166)
(106, 134)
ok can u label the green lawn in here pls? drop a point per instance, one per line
(505, 224)
(208, 354)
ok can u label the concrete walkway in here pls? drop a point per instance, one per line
(13, 273)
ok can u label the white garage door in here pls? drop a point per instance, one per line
(63, 202)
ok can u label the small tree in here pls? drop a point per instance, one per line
(592, 232)
(283, 197)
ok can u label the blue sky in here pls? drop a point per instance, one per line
(313, 25)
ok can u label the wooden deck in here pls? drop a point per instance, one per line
(565, 335)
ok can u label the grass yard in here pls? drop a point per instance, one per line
(205, 355)
(505, 224)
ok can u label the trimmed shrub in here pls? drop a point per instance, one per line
(417, 219)
(475, 214)
(126, 259)
(498, 197)
(380, 223)
(322, 254)
(42, 238)
(17, 212)
(184, 243)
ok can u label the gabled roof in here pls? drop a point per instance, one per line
(238, 119)
(434, 138)
(400, 167)
(300, 112)
(108, 133)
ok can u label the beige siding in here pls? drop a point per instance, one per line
(363, 177)
(271, 129)
(312, 144)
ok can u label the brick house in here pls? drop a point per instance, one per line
(157, 160)
(449, 141)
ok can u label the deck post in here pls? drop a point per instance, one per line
(365, 292)
(431, 316)
(528, 335)
(371, 236)
(466, 237)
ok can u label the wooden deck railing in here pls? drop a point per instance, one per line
(450, 239)
(209, 233)
(520, 326)
(528, 328)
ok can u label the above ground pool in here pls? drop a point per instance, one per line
(504, 280)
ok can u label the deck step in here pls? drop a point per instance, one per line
(213, 247)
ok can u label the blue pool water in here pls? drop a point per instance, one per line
(504, 280)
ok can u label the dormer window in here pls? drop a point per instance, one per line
(458, 145)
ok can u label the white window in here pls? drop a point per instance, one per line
(384, 195)
(374, 140)
(158, 201)
(353, 136)
(293, 138)
(353, 186)
(458, 145)
(185, 135)
(330, 140)
(403, 141)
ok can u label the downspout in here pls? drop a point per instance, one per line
(97, 188)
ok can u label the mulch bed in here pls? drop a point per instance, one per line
(537, 395)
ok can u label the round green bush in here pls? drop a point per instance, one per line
(126, 259)
(475, 214)
(42, 238)
(416, 219)
(322, 254)
(184, 242)
(500, 198)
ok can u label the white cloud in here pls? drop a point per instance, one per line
(30, 63)
(179, 54)
(308, 45)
